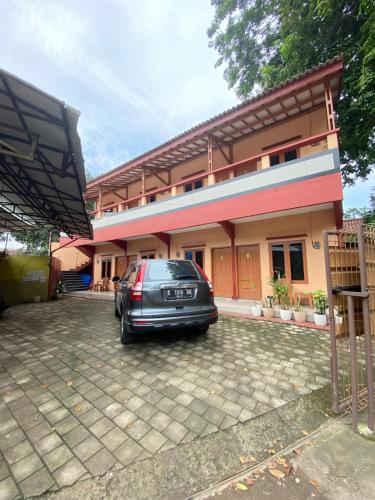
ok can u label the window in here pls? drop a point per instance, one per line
(289, 259)
(161, 270)
(290, 155)
(106, 267)
(152, 198)
(193, 185)
(283, 157)
(148, 256)
(274, 160)
(196, 256)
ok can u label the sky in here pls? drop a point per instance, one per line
(139, 71)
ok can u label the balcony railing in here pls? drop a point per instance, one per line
(234, 170)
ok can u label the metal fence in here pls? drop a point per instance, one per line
(350, 267)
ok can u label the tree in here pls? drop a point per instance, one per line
(35, 240)
(265, 42)
(366, 213)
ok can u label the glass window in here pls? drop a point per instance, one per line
(278, 260)
(188, 187)
(199, 258)
(151, 198)
(195, 255)
(106, 267)
(274, 160)
(170, 270)
(198, 184)
(290, 155)
(296, 262)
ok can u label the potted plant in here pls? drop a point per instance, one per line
(320, 305)
(268, 307)
(299, 314)
(279, 287)
(256, 309)
(285, 308)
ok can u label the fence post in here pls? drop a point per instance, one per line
(353, 362)
(366, 328)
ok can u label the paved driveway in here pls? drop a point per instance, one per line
(76, 403)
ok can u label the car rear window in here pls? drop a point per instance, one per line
(170, 270)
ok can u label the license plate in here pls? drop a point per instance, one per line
(179, 293)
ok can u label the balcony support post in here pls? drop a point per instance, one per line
(100, 203)
(166, 239)
(144, 198)
(229, 228)
(122, 244)
(329, 107)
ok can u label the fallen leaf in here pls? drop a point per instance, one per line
(287, 469)
(35, 418)
(45, 386)
(271, 451)
(297, 480)
(98, 366)
(305, 433)
(277, 473)
(298, 451)
(281, 460)
(249, 481)
(243, 460)
(212, 392)
(313, 482)
(77, 408)
(308, 443)
(272, 465)
(69, 383)
(241, 487)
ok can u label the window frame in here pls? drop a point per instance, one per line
(107, 261)
(194, 250)
(288, 273)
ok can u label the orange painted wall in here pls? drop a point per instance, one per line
(70, 258)
(312, 224)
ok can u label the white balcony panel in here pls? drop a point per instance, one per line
(302, 168)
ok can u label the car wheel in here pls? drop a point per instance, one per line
(125, 336)
(117, 314)
(203, 329)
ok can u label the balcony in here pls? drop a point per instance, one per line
(247, 177)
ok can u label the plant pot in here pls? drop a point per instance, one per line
(268, 312)
(256, 310)
(286, 314)
(300, 316)
(320, 319)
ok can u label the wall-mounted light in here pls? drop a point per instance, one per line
(178, 255)
(316, 245)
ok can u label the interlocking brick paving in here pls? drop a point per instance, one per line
(76, 403)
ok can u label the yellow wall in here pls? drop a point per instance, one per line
(312, 224)
(22, 277)
(304, 125)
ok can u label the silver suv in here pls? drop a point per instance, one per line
(160, 294)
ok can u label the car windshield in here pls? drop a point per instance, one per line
(171, 270)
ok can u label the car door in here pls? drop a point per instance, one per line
(122, 292)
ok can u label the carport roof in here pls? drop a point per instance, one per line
(42, 177)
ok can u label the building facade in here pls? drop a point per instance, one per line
(245, 194)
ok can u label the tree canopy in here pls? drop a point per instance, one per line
(262, 43)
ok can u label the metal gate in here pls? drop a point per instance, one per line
(350, 267)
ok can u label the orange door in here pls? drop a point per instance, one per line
(222, 272)
(249, 282)
(120, 266)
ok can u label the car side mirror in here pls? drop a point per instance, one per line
(115, 279)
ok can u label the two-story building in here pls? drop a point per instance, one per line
(245, 194)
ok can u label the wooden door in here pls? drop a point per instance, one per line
(131, 258)
(222, 272)
(121, 266)
(249, 279)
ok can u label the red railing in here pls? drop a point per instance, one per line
(233, 166)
